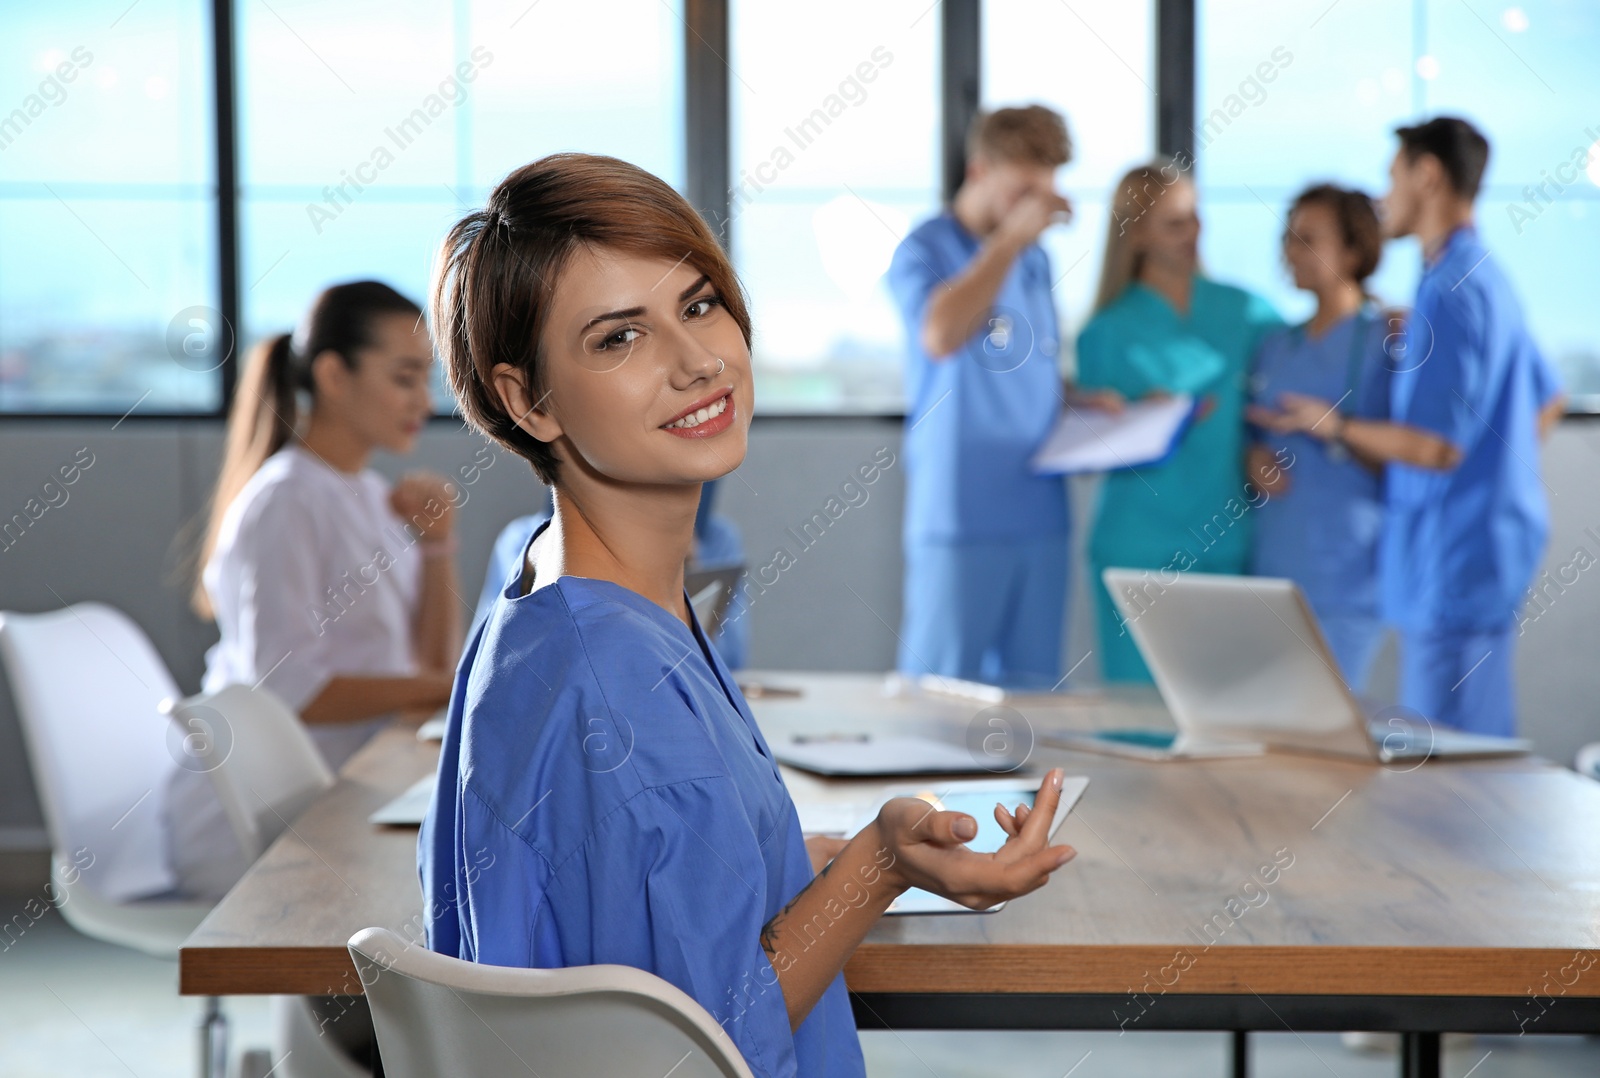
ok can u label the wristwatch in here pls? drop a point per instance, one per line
(1337, 451)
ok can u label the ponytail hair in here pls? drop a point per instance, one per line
(266, 402)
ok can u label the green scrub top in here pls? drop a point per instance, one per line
(1190, 512)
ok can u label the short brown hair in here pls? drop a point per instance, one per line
(1460, 149)
(1030, 134)
(1357, 219)
(495, 276)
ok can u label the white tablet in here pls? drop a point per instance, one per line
(975, 797)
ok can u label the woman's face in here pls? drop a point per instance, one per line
(385, 397)
(646, 373)
(1315, 250)
(1169, 234)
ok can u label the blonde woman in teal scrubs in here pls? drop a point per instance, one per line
(1159, 327)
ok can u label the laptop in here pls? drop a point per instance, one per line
(1242, 665)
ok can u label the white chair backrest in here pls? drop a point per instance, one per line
(262, 763)
(439, 1015)
(88, 686)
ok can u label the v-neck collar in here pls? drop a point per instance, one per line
(1166, 304)
(692, 633)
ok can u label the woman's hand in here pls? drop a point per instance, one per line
(929, 851)
(823, 848)
(1298, 413)
(1262, 468)
(425, 501)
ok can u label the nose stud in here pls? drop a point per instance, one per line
(721, 366)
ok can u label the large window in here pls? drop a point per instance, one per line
(364, 128)
(107, 209)
(835, 150)
(369, 126)
(1095, 64)
(1342, 77)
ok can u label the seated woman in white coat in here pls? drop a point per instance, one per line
(329, 587)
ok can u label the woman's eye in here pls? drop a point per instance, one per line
(702, 307)
(618, 339)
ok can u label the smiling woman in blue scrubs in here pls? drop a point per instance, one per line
(1321, 524)
(1160, 326)
(604, 793)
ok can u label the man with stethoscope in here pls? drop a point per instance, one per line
(986, 540)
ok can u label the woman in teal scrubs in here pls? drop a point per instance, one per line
(1162, 327)
(1321, 525)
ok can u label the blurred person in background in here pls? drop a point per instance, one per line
(1470, 400)
(986, 540)
(1161, 326)
(1321, 524)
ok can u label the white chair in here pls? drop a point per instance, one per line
(265, 770)
(438, 1015)
(1587, 761)
(88, 686)
(263, 765)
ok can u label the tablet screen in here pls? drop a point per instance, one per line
(977, 799)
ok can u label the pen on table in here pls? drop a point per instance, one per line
(809, 739)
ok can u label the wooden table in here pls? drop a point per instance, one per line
(1271, 893)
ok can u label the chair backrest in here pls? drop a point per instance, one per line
(262, 763)
(88, 685)
(439, 1015)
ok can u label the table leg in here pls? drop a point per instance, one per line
(1239, 1053)
(1419, 1055)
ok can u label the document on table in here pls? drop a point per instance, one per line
(1088, 440)
(863, 756)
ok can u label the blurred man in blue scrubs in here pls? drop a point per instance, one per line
(1470, 399)
(985, 539)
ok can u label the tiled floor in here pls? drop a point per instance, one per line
(73, 1006)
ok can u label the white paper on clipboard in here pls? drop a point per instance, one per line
(1088, 440)
(975, 797)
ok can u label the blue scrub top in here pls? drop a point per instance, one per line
(1193, 502)
(974, 419)
(1323, 532)
(605, 796)
(1460, 548)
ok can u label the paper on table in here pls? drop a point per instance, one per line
(864, 756)
(1088, 440)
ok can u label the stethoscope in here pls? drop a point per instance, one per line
(1337, 451)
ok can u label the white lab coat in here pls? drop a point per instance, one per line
(313, 575)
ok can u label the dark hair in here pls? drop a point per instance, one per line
(1357, 219)
(495, 277)
(1029, 134)
(265, 409)
(1459, 147)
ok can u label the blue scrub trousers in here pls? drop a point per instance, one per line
(1459, 678)
(985, 611)
(1354, 640)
